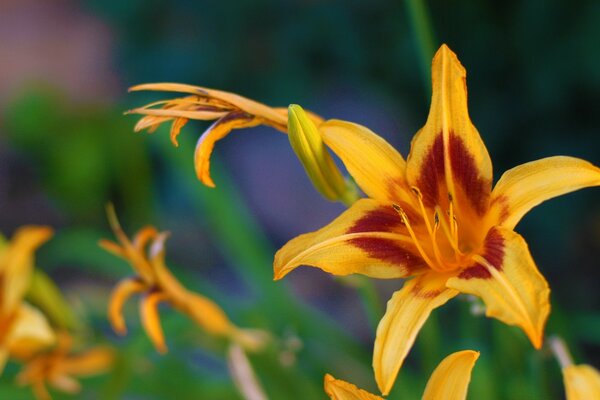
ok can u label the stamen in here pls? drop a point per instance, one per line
(454, 224)
(447, 231)
(404, 218)
(436, 250)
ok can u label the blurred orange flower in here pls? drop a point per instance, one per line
(59, 366)
(156, 284)
(24, 330)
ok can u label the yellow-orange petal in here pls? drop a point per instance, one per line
(64, 383)
(506, 278)
(249, 106)
(151, 320)
(3, 358)
(447, 156)
(29, 333)
(406, 312)
(378, 169)
(16, 264)
(527, 185)
(365, 239)
(337, 389)
(450, 380)
(216, 132)
(582, 382)
(122, 291)
(135, 257)
(207, 314)
(91, 362)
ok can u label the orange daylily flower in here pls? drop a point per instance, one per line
(24, 330)
(435, 217)
(59, 366)
(449, 381)
(156, 284)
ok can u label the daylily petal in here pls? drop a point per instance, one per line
(92, 362)
(29, 332)
(216, 132)
(450, 380)
(65, 383)
(527, 185)
(447, 155)
(362, 240)
(505, 277)
(406, 312)
(244, 104)
(151, 320)
(582, 382)
(17, 263)
(375, 165)
(207, 314)
(128, 250)
(337, 389)
(124, 289)
(3, 358)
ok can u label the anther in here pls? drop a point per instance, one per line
(416, 191)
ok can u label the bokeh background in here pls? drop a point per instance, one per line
(66, 150)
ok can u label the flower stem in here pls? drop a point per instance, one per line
(559, 348)
(425, 38)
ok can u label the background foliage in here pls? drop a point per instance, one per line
(66, 150)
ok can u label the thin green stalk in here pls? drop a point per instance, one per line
(424, 36)
(371, 301)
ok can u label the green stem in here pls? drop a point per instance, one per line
(371, 301)
(425, 38)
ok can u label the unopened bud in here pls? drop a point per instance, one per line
(313, 154)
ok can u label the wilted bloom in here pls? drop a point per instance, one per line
(449, 381)
(59, 367)
(229, 110)
(156, 284)
(582, 382)
(24, 330)
(435, 217)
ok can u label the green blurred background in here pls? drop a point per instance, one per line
(66, 150)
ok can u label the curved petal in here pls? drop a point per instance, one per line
(16, 264)
(527, 185)
(337, 389)
(237, 101)
(207, 314)
(124, 289)
(365, 239)
(29, 333)
(447, 156)
(216, 132)
(582, 382)
(406, 312)
(505, 277)
(92, 362)
(151, 320)
(375, 165)
(450, 380)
